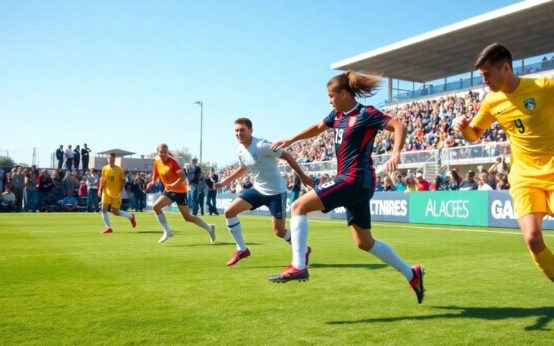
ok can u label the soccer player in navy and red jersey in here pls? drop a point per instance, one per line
(355, 127)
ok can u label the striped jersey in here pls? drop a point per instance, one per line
(355, 133)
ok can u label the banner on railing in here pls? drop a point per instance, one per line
(463, 208)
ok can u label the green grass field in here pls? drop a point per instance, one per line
(62, 282)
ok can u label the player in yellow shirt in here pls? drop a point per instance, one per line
(167, 169)
(524, 108)
(111, 184)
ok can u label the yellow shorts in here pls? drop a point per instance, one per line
(107, 199)
(530, 199)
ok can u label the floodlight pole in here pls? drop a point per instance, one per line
(201, 120)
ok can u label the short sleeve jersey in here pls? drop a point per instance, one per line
(262, 162)
(527, 118)
(113, 178)
(169, 172)
(355, 133)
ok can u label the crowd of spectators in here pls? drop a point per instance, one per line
(30, 190)
(493, 178)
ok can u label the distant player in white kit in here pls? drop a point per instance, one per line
(270, 189)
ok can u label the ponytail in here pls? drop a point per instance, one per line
(357, 84)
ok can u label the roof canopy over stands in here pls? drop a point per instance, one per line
(526, 28)
(117, 152)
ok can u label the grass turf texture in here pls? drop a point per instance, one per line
(62, 282)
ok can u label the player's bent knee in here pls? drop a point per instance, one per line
(297, 209)
(229, 213)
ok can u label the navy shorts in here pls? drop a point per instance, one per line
(177, 197)
(354, 199)
(277, 204)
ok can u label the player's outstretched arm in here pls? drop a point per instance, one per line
(399, 139)
(471, 134)
(307, 181)
(234, 176)
(310, 132)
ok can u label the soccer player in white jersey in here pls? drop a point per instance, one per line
(270, 189)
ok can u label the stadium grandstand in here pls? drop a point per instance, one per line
(431, 80)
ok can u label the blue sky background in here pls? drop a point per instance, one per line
(125, 74)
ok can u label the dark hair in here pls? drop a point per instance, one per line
(244, 121)
(495, 54)
(111, 154)
(357, 84)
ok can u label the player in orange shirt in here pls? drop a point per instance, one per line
(172, 177)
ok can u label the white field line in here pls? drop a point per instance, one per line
(412, 226)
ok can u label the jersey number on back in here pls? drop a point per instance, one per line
(338, 136)
(519, 124)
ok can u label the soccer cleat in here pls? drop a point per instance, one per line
(308, 252)
(133, 221)
(108, 230)
(165, 236)
(290, 274)
(417, 282)
(212, 233)
(237, 256)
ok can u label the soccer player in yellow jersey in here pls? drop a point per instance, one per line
(111, 184)
(167, 169)
(524, 108)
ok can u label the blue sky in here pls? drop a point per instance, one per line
(125, 74)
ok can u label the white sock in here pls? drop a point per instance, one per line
(299, 239)
(123, 213)
(106, 219)
(233, 225)
(384, 252)
(161, 218)
(287, 237)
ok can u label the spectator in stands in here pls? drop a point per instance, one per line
(456, 180)
(138, 187)
(59, 156)
(499, 166)
(50, 202)
(421, 183)
(83, 191)
(469, 183)
(399, 184)
(76, 157)
(18, 185)
(487, 178)
(211, 179)
(44, 186)
(70, 203)
(71, 183)
(482, 185)
(502, 182)
(388, 185)
(85, 151)
(30, 191)
(7, 200)
(193, 176)
(92, 190)
(58, 188)
(69, 154)
(411, 185)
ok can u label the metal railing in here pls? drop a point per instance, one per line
(487, 151)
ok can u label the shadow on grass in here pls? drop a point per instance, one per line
(369, 266)
(147, 232)
(217, 243)
(544, 315)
